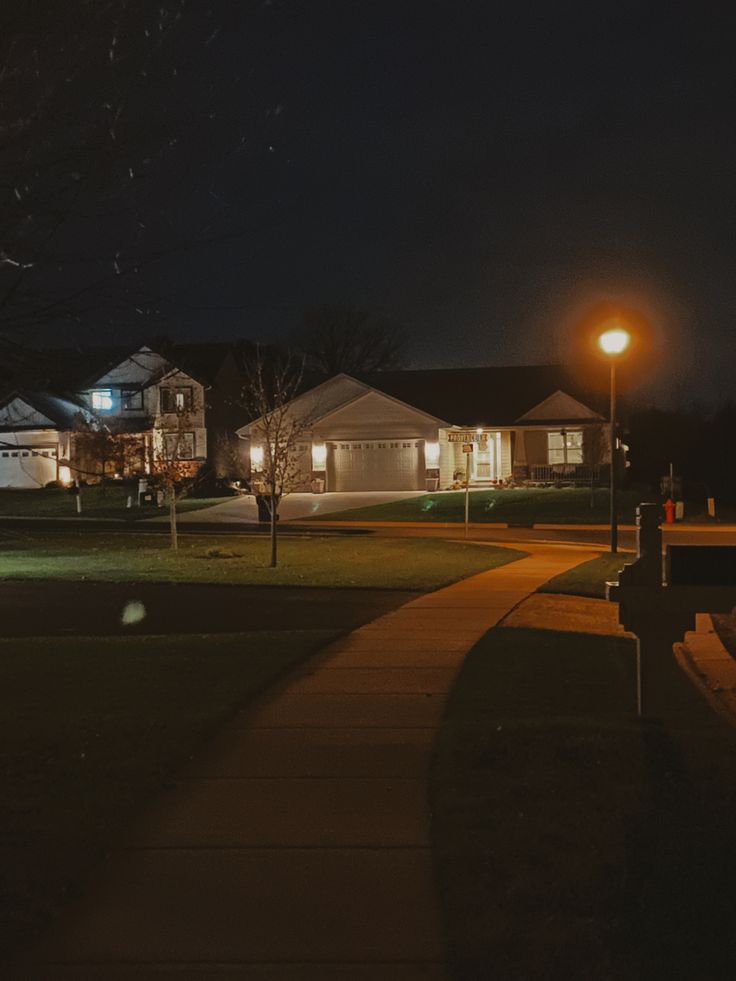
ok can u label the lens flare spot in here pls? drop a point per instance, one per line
(133, 612)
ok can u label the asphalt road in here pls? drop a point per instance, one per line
(53, 608)
(581, 535)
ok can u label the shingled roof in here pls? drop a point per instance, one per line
(495, 396)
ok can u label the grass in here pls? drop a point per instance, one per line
(313, 561)
(90, 728)
(589, 578)
(520, 506)
(57, 502)
(573, 842)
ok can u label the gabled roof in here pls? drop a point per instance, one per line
(560, 408)
(60, 412)
(494, 396)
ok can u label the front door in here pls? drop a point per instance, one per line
(484, 460)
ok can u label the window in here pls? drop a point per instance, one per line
(565, 447)
(176, 399)
(131, 399)
(102, 400)
(179, 446)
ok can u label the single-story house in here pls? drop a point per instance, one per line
(413, 430)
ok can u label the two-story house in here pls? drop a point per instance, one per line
(51, 415)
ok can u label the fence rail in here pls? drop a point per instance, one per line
(560, 473)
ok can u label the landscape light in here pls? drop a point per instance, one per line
(319, 456)
(431, 453)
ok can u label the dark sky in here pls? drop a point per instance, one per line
(482, 173)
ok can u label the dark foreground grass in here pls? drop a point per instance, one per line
(90, 728)
(519, 506)
(589, 578)
(573, 842)
(314, 561)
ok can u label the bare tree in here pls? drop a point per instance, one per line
(342, 338)
(171, 461)
(280, 428)
(101, 449)
(104, 109)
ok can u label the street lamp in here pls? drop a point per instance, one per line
(613, 342)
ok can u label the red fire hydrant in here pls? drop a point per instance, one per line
(669, 511)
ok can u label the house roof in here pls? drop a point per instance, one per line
(495, 396)
(60, 411)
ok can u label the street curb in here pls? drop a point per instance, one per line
(710, 667)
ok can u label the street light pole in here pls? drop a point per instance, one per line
(612, 495)
(613, 342)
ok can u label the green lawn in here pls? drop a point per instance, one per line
(92, 727)
(589, 578)
(573, 842)
(314, 561)
(521, 506)
(56, 502)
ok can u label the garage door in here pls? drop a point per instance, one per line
(28, 467)
(375, 465)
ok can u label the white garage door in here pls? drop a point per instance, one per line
(375, 465)
(27, 467)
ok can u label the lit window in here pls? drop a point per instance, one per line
(180, 446)
(176, 399)
(102, 400)
(565, 447)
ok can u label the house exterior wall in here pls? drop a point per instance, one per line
(29, 459)
(505, 467)
(191, 421)
(374, 416)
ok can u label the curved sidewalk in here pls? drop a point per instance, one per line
(298, 847)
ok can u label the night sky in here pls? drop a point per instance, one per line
(481, 173)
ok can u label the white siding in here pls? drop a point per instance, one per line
(28, 459)
(505, 466)
(374, 416)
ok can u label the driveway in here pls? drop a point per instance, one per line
(243, 509)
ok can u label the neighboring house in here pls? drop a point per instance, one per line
(145, 398)
(405, 430)
(156, 405)
(35, 436)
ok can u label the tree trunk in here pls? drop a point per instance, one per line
(274, 553)
(172, 519)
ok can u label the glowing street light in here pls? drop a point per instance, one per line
(613, 342)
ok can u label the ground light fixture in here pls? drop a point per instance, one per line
(613, 342)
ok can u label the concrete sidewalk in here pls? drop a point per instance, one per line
(298, 847)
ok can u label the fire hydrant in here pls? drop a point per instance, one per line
(669, 511)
